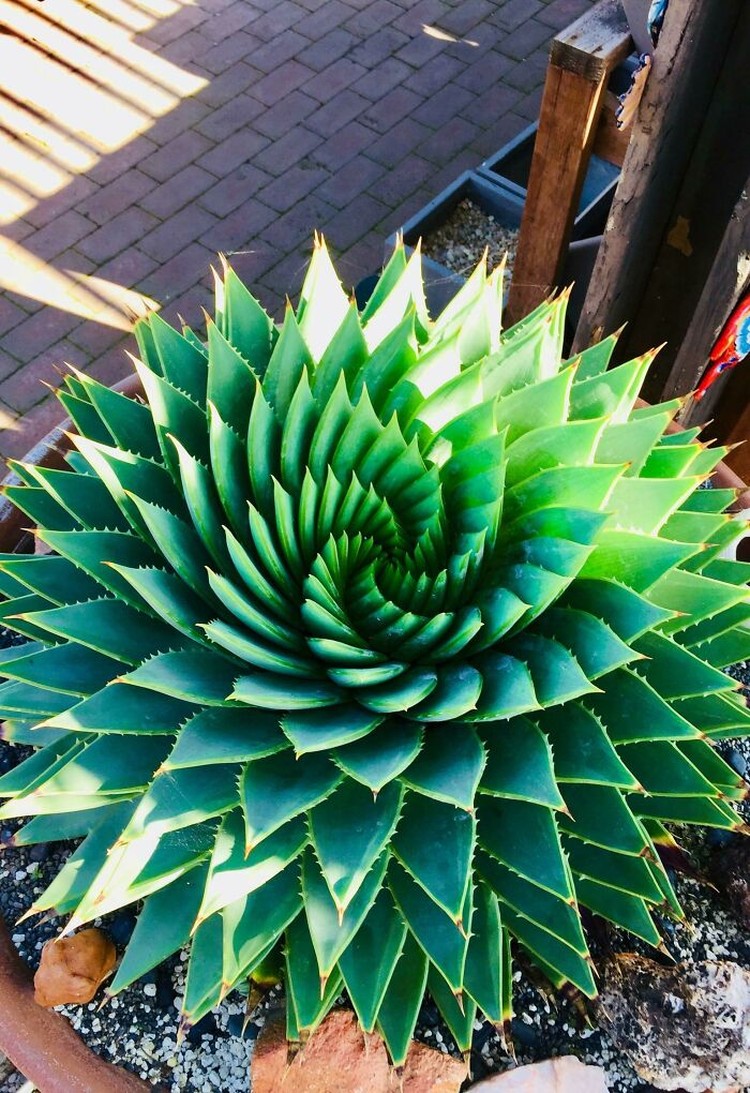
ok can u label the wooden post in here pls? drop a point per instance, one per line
(728, 280)
(690, 56)
(581, 61)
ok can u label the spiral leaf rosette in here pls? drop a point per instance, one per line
(368, 644)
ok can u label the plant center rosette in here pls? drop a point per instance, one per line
(368, 644)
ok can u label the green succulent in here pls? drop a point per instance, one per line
(368, 644)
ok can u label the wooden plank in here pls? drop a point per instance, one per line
(611, 143)
(686, 64)
(594, 44)
(580, 63)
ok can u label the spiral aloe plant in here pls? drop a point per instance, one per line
(368, 644)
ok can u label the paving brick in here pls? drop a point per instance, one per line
(523, 41)
(93, 339)
(372, 17)
(442, 106)
(120, 232)
(485, 73)
(446, 142)
(287, 77)
(288, 150)
(421, 50)
(179, 231)
(345, 184)
(272, 54)
(10, 315)
(233, 115)
(254, 261)
(173, 194)
(114, 365)
(529, 74)
(351, 223)
(325, 85)
(328, 50)
(239, 186)
(497, 100)
(383, 78)
(465, 160)
(73, 194)
(178, 153)
(34, 425)
(343, 146)
(116, 163)
(335, 114)
(184, 50)
(401, 181)
(466, 16)
(235, 231)
(283, 15)
(291, 110)
(117, 196)
(529, 105)
(378, 47)
(296, 226)
(237, 47)
(363, 258)
(490, 140)
(323, 19)
(128, 268)
(189, 307)
(40, 331)
(512, 13)
(434, 76)
(18, 229)
(226, 86)
(184, 19)
(339, 114)
(561, 13)
(58, 235)
(292, 186)
(234, 17)
(419, 13)
(397, 104)
(288, 274)
(72, 261)
(187, 114)
(400, 141)
(179, 273)
(237, 149)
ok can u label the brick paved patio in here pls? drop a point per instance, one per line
(140, 137)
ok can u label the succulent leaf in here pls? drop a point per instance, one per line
(369, 644)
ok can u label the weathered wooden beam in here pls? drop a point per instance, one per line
(716, 175)
(686, 65)
(581, 61)
(729, 279)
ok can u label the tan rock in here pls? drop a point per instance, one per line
(340, 1058)
(563, 1075)
(429, 1071)
(72, 968)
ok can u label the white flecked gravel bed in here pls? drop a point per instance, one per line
(460, 242)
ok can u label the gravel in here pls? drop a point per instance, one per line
(460, 242)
